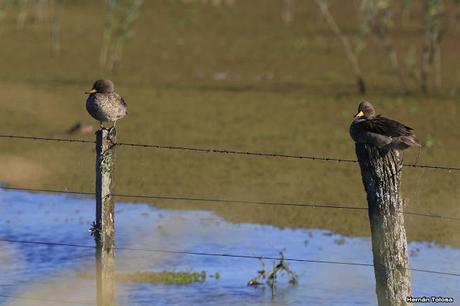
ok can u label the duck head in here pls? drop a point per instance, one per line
(102, 86)
(365, 110)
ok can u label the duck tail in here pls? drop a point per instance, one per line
(404, 142)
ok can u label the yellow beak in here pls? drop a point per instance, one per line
(360, 114)
(92, 90)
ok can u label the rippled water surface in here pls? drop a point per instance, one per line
(32, 274)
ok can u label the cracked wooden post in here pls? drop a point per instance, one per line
(381, 174)
(104, 231)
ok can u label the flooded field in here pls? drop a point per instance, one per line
(277, 87)
(47, 274)
(224, 75)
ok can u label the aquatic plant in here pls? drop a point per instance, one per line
(123, 33)
(39, 11)
(163, 277)
(455, 19)
(377, 18)
(22, 14)
(46, 14)
(350, 52)
(431, 52)
(57, 10)
(5, 7)
(270, 277)
(288, 11)
(109, 25)
(405, 12)
(411, 63)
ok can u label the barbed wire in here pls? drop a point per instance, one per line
(235, 152)
(48, 190)
(193, 253)
(47, 139)
(224, 151)
(209, 254)
(228, 201)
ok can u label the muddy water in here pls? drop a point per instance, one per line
(32, 274)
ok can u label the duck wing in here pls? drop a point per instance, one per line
(388, 127)
(123, 102)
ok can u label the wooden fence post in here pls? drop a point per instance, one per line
(104, 231)
(381, 175)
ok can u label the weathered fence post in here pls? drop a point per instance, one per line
(105, 226)
(381, 174)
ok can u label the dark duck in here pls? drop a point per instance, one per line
(384, 133)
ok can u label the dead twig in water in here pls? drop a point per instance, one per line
(270, 277)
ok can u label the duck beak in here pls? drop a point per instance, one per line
(360, 114)
(92, 90)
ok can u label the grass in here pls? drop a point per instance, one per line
(168, 79)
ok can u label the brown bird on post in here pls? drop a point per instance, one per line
(104, 104)
(379, 142)
(384, 133)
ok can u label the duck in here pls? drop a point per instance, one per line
(104, 104)
(383, 133)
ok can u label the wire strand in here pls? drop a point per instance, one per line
(235, 152)
(208, 254)
(267, 154)
(223, 151)
(228, 201)
(36, 138)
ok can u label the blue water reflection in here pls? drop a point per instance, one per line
(30, 273)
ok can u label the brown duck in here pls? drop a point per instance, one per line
(104, 104)
(384, 133)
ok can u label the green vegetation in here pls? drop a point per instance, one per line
(5, 7)
(178, 278)
(164, 277)
(236, 77)
(113, 46)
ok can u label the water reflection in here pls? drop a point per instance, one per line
(49, 274)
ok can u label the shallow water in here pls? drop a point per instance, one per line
(41, 274)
